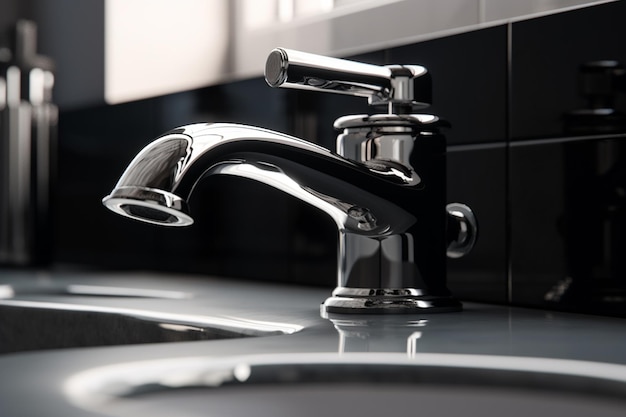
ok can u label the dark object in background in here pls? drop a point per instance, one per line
(599, 83)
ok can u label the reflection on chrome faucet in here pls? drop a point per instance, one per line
(411, 343)
(384, 188)
(378, 333)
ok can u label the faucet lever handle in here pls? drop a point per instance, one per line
(391, 85)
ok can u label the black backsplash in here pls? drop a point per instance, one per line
(469, 73)
(547, 186)
(568, 220)
(567, 174)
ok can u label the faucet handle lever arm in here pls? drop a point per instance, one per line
(390, 84)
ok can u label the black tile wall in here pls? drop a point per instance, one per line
(566, 161)
(568, 218)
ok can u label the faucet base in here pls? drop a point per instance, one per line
(390, 304)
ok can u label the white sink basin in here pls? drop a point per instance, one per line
(362, 385)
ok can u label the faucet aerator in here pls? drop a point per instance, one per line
(148, 214)
(149, 205)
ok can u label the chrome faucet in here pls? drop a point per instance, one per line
(384, 187)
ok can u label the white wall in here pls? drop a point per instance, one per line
(156, 47)
(121, 50)
(370, 24)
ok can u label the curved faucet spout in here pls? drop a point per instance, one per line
(157, 184)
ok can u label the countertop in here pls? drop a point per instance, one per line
(480, 329)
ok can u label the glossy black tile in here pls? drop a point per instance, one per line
(469, 77)
(565, 76)
(568, 224)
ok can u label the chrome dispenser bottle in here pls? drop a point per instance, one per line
(28, 121)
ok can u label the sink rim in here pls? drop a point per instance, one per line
(245, 326)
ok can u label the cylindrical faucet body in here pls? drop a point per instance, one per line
(403, 271)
